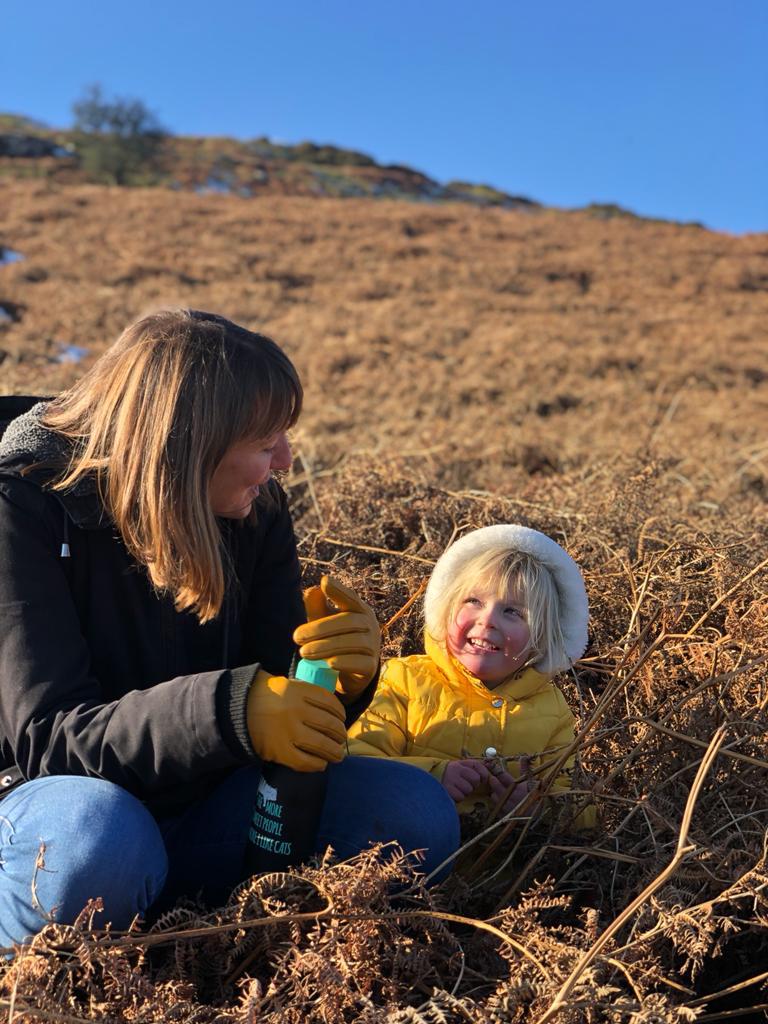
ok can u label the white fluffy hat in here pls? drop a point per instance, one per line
(574, 607)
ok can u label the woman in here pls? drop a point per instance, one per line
(149, 596)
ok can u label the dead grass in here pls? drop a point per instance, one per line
(602, 381)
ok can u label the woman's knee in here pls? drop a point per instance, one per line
(71, 839)
(115, 834)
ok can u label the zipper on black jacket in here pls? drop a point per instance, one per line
(65, 552)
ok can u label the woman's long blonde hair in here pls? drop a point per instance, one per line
(152, 419)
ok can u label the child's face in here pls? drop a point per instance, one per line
(489, 635)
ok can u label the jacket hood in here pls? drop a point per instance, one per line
(26, 442)
(25, 436)
(574, 606)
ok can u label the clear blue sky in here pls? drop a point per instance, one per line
(659, 105)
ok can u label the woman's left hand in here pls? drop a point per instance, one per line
(343, 631)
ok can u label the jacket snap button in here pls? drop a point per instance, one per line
(498, 703)
(6, 780)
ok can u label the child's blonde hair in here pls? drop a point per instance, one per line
(506, 572)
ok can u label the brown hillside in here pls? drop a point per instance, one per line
(605, 381)
(479, 334)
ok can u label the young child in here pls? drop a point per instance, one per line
(505, 610)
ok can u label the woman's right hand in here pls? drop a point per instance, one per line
(295, 723)
(462, 778)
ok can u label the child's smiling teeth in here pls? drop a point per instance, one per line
(481, 645)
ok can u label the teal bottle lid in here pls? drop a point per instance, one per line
(318, 672)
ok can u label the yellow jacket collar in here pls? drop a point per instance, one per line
(518, 686)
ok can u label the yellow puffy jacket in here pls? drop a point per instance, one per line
(429, 710)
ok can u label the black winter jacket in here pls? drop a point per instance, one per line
(100, 675)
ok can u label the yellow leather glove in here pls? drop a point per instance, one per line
(295, 723)
(342, 630)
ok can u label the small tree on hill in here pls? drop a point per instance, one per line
(118, 140)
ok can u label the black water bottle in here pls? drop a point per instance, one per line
(288, 805)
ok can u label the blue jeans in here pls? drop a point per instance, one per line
(101, 841)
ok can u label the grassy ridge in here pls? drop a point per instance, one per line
(223, 165)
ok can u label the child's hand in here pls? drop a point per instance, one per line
(462, 778)
(500, 786)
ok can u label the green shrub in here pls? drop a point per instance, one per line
(118, 141)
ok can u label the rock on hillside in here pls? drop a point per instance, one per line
(31, 147)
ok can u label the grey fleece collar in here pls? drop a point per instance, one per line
(27, 441)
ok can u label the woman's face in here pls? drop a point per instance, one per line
(489, 635)
(243, 470)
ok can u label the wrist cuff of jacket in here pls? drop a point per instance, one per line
(231, 703)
